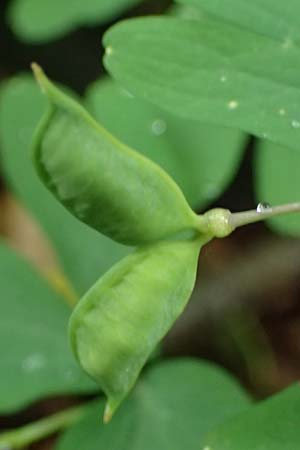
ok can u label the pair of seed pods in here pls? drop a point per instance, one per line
(119, 321)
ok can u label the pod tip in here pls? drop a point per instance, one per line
(108, 413)
(39, 75)
(111, 406)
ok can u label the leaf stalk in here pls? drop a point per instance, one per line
(20, 438)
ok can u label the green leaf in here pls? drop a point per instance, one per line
(35, 357)
(101, 181)
(182, 147)
(273, 424)
(173, 406)
(84, 254)
(41, 21)
(260, 16)
(210, 71)
(277, 182)
(119, 322)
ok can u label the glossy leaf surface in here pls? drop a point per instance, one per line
(40, 21)
(260, 16)
(273, 424)
(201, 158)
(35, 357)
(277, 182)
(211, 71)
(119, 322)
(172, 407)
(101, 181)
(83, 253)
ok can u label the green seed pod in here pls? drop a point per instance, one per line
(121, 319)
(102, 182)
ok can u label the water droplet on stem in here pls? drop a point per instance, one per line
(262, 206)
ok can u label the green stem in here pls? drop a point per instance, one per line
(221, 222)
(21, 437)
(255, 215)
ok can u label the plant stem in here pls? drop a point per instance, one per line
(26, 435)
(246, 217)
(219, 222)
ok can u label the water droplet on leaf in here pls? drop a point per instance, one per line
(158, 127)
(295, 124)
(233, 104)
(108, 51)
(33, 362)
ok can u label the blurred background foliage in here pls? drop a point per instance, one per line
(244, 313)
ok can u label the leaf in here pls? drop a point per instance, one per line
(260, 16)
(172, 407)
(42, 21)
(84, 254)
(210, 71)
(182, 147)
(277, 182)
(35, 358)
(101, 181)
(118, 323)
(273, 424)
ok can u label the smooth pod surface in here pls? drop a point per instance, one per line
(120, 320)
(103, 182)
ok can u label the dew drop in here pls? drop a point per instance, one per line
(34, 362)
(262, 206)
(282, 112)
(158, 127)
(108, 50)
(223, 79)
(233, 104)
(295, 124)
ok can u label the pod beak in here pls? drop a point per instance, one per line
(108, 413)
(111, 407)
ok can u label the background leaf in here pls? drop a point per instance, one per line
(182, 147)
(172, 407)
(277, 181)
(212, 71)
(39, 21)
(84, 253)
(35, 357)
(273, 424)
(260, 16)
